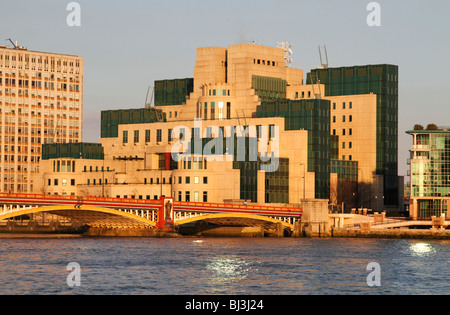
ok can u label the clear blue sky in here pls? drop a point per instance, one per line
(126, 45)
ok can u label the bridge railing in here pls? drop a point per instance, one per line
(179, 204)
(78, 198)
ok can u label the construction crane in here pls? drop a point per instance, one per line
(149, 105)
(315, 80)
(324, 65)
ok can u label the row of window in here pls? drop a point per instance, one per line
(38, 84)
(350, 118)
(64, 182)
(195, 132)
(350, 146)
(195, 196)
(350, 158)
(203, 113)
(344, 105)
(220, 92)
(186, 180)
(344, 132)
(265, 62)
(303, 94)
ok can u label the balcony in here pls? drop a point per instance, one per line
(421, 147)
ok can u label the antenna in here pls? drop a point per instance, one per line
(15, 46)
(287, 52)
(324, 65)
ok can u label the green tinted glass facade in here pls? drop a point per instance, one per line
(312, 115)
(430, 169)
(269, 89)
(173, 92)
(381, 80)
(111, 119)
(93, 151)
(277, 183)
(346, 170)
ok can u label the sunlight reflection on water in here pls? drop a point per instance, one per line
(223, 266)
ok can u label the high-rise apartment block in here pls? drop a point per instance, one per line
(41, 101)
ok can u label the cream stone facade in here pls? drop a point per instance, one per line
(229, 86)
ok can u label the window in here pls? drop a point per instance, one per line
(125, 137)
(188, 180)
(343, 118)
(205, 196)
(55, 182)
(343, 132)
(334, 132)
(220, 105)
(188, 196)
(350, 105)
(334, 119)
(158, 135)
(343, 105)
(64, 182)
(195, 196)
(350, 131)
(343, 145)
(350, 118)
(271, 131)
(334, 105)
(213, 112)
(169, 135)
(136, 136)
(180, 194)
(196, 180)
(180, 180)
(228, 110)
(205, 116)
(196, 132)
(205, 180)
(350, 145)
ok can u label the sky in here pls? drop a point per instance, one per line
(127, 45)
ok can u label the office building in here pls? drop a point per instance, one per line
(430, 172)
(41, 101)
(281, 141)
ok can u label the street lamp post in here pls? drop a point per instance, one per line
(304, 182)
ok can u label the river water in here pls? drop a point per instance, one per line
(223, 266)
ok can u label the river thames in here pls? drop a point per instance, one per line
(223, 266)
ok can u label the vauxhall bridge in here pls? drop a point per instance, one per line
(164, 214)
